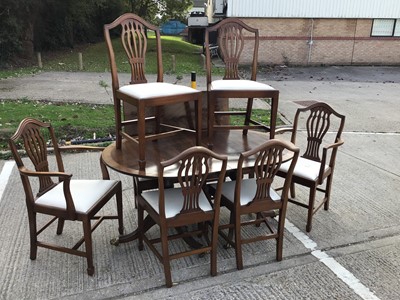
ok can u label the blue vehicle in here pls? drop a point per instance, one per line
(172, 27)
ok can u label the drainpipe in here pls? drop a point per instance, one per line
(310, 42)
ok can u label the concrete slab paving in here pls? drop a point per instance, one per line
(359, 233)
(376, 265)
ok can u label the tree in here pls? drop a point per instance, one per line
(175, 9)
(16, 22)
(69, 22)
(37, 25)
(155, 11)
(29, 25)
(147, 9)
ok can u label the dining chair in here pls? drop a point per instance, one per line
(254, 196)
(183, 205)
(65, 199)
(236, 42)
(137, 37)
(321, 127)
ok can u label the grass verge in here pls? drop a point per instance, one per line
(260, 115)
(71, 121)
(74, 121)
(95, 58)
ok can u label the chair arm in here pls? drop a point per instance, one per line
(283, 129)
(325, 149)
(80, 147)
(334, 145)
(26, 172)
(65, 178)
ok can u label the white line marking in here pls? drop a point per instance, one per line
(341, 272)
(5, 175)
(372, 133)
(307, 242)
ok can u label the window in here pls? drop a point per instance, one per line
(397, 28)
(386, 27)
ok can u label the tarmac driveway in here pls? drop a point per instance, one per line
(352, 252)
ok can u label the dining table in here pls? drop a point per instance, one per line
(225, 142)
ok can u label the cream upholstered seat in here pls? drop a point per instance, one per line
(183, 205)
(305, 168)
(145, 97)
(65, 199)
(173, 201)
(317, 163)
(241, 84)
(247, 188)
(154, 89)
(85, 194)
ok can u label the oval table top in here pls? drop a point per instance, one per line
(226, 142)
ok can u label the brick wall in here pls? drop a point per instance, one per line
(334, 41)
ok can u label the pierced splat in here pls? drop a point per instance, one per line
(266, 167)
(318, 124)
(36, 149)
(231, 43)
(134, 41)
(192, 176)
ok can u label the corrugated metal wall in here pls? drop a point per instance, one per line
(314, 8)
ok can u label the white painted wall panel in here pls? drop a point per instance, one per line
(314, 8)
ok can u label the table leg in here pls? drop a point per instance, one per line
(147, 224)
(191, 242)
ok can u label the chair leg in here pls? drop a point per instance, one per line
(258, 216)
(238, 243)
(292, 190)
(198, 116)
(33, 235)
(279, 240)
(231, 229)
(141, 136)
(140, 227)
(87, 232)
(328, 192)
(158, 113)
(249, 109)
(189, 118)
(311, 202)
(60, 226)
(135, 190)
(214, 243)
(165, 257)
(118, 121)
(204, 232)
(118, 197)
(211, 119)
